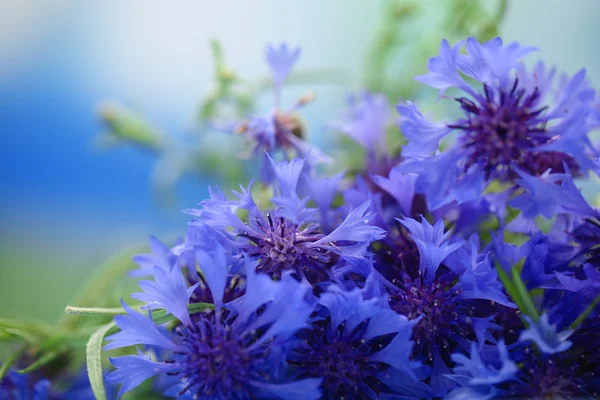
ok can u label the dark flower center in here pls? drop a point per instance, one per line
(216, 360)
(503, 129)
(548, 377)
(202, 294)
(340, 357)
(285, 246)
(444, 319)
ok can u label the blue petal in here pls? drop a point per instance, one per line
(545, 335)
(323, 191)
(534, 269)
(214, 269)
(432, 244)
(137, 329)
(478, 373)
(281, 60)
(401, 186)
(493, 62)
(132, 371)
(260, 289)
(480, 281)
(217, 212)
(423, 136)
(287, 174)
(160, 256)
(305, 389)
(355, 228)
(168, 291)
(366, 121)
(443, 72)
(397, 353)
(435, 175)
(287, 313)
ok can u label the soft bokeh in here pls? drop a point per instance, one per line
(65, 206)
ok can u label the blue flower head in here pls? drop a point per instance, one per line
(359, 347)
(289, 236)
(233, 352)
(280, 132)
(512, 122)
(517, 371)
(444, 296)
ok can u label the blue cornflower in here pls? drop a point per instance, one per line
(445, 296)
(234, 352)
(522, 373)
(512, 122)
(289, 236)
(279, 132)
(360, 349)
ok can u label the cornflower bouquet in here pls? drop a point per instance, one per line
(462, 265)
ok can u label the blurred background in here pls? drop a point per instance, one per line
(66, 205)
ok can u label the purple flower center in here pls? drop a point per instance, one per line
(285, 246)
(217, 360)
(341, 358)
(443, 317)
(503, 129)
(553, 377)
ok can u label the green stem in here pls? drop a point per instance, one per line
(98, 311)
(585, 313)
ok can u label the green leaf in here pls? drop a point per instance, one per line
(9, 334)
(585, 313)
(11, 360)
(94, 360)
(510, 287)
(29, 331)
(40, 362)
(526, 306)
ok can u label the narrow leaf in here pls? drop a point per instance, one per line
(510, 287)
(11, 360)
(585, 313)
(527, 304)
(40, 362)
(94, 360)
